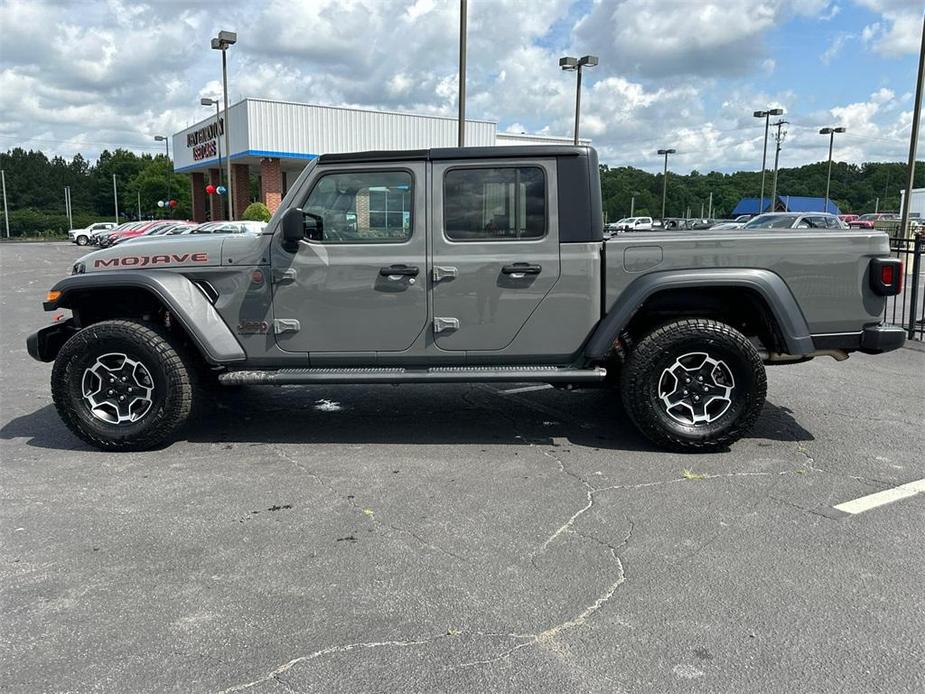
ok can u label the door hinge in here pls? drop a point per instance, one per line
(286, 325)
(442, 272)
(444, 324)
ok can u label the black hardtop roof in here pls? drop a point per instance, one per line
(437, 153)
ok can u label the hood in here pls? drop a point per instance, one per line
(192, 250)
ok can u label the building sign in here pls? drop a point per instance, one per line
(203, 141)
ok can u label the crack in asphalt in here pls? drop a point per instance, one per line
(371, 517)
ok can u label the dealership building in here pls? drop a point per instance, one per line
(276, 139)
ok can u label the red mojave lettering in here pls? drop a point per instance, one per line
(143, 260)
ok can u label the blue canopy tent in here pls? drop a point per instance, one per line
(784, 203)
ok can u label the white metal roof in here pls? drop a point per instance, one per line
(296, 133)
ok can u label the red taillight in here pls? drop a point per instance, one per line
(886, 275)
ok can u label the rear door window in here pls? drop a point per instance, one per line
(495, 204)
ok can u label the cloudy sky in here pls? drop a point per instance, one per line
(81, 76)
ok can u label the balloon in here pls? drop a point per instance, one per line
(221, 190)
(160, 203)
(172, 203)
(210, 189)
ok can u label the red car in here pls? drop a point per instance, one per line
(131, 232)
(867, 221)
(847, 218)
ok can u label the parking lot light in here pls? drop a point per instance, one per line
(665, 152)
(570, 64)
(166, 141)
(223, 42)
(828, 179)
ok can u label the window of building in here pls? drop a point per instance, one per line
(362, 207)
(495, 204)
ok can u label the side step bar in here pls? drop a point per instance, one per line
(439, 374)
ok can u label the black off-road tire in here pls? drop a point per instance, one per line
(654, 356)
(170, 369)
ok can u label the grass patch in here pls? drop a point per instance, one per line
(691, 475)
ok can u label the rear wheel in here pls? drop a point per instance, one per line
(122, 385)
(694, 385)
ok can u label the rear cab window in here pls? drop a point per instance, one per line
(495, 203)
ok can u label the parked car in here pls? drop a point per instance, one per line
(82, 236)
(847, 218)
(225, 227)
(135, 229)
(98, 238)
(795, 220)
(727, 225)
(635, 224)
(867, 221)
(156, 229)
(511, 281)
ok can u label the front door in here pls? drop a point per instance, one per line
(357, 282)
(495, 249)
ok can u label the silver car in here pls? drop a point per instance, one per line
(796, 220)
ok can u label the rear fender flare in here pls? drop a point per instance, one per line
(186, 303)
(771, 287)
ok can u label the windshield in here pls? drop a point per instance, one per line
(868, 217)
(770, 221)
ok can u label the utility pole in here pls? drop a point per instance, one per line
(877, 205)
(632, 204)
(764, 152)
(139, 205)
(115, 198)
(710, 207)
(913, 142)
(462, 72)
(6, 213)
(779, 139)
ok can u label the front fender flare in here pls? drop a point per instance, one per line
(186, 303)
(768, 285)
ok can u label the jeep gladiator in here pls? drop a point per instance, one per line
(482, 264)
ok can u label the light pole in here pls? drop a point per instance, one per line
(6, 212)
(206, 101)
(913, 143)
(764, 153)
(779, 140)
(222, 42)
(665, 152)
(115, 198)
(633, 203)
(828, 179)
(568, 64)
(461, 140)
(166, 141)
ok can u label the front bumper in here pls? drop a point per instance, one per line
(45, 344)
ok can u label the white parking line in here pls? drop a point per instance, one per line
(526, 389)
(888, 496)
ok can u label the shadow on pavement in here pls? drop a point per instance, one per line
(409, 415)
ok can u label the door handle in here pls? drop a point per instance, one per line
(521, 270)
(399, 271)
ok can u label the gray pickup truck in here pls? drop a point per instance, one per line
(459, 265)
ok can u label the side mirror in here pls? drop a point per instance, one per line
(293, 228)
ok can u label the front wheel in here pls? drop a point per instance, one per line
(694, 385)
(122, 385)
(82, 240)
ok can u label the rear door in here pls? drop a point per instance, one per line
(357, 282)
(495, 241)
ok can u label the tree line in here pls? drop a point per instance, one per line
(855, 188)
(35, 189)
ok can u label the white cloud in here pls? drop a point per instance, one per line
(900, 30)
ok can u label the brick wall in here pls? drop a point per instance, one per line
(198, 182)
(216, 201)
(240, 174)
(271, 183)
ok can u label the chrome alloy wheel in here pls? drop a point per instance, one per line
(696, 389)
(117, 389)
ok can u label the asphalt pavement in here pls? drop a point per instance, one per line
(459, 538)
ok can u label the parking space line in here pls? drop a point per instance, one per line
(526, 389)
(887, 496)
